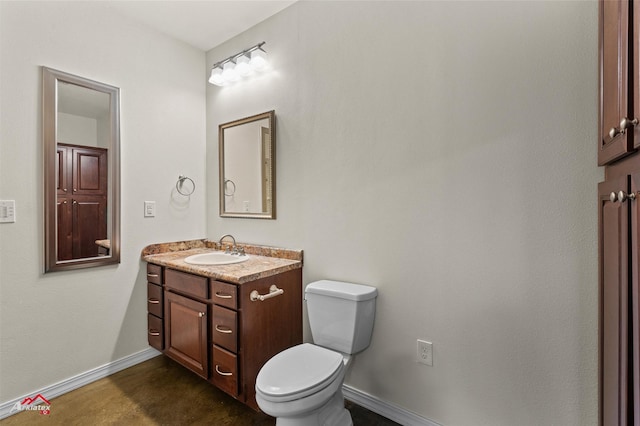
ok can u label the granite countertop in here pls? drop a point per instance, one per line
(263, 261)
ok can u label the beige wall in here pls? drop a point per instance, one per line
(444, 152)
(57, 325)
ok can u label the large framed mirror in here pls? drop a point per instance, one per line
(81, 135)
(247, 167)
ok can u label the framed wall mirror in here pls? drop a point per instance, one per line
(247, 167)
(81, 135)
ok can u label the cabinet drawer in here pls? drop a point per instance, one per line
(187, 283)
(225, 370)
(155, 332)
(225, 328)
(154, 299)
(225, 294)
(154, 273)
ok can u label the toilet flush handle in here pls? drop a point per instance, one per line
(273, 292)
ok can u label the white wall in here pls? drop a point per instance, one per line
(57, 325)
(444, 152)
(77, 130)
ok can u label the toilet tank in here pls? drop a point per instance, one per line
(341, 314)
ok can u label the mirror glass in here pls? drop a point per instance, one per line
(81, 158)
(247, 167)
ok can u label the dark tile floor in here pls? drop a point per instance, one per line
(158, 392)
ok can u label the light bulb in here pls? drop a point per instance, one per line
(242, 66)
(229, 72)
(216, 77)
(258, 60)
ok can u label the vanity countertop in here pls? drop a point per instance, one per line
(263, 261)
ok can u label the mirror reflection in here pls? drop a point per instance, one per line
(81, 141)
(247, 167)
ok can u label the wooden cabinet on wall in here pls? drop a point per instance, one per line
(619, 96)
(81, 200)
(223, 334)
(619, 213)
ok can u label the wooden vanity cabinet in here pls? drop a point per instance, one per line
(155, 307)
(215, 329)
(264, 328)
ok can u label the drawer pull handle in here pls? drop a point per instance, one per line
(223, 295)
(201, 314)
(153, 301)
(152, 275)
(223, 330)
(222, 373)
(273, 292)
(154, 333)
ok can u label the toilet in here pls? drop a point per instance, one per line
(302, 386)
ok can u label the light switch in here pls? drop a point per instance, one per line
(7, 211)
(149, 209)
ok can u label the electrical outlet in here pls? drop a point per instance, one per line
(425, 352)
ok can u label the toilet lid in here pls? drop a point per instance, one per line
(298, 371)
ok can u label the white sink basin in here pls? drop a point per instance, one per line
(215, 258)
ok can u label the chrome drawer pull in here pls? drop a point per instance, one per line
(221, 372)
(221, 330)
(223, 296)
(154, 333)
(153, 301)
(273, 292)
(152, 275)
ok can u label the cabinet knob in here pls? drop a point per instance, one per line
(613, 132)
(613, 197)
(625, 123)
(201, 314)
(623, 196)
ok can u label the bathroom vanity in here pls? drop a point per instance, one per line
(224, 322)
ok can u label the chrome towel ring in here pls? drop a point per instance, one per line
(185, 185)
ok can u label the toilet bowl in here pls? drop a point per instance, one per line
(302, 386)
(298, 383)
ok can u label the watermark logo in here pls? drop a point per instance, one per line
(37, 403)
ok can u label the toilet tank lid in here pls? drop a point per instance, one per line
(342, 290)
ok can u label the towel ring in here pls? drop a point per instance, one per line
(180, 186)
(228, 192)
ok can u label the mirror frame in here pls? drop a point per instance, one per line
(50, 79)
(270, 115)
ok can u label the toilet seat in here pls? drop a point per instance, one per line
(298, 372)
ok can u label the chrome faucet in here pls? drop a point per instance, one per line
(234, 248)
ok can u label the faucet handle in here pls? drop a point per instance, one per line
(241, 251)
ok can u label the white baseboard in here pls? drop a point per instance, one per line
(82, 379)
(385, 409)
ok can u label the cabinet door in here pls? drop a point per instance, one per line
(64, 228)
(89, 225)
(614, 80)
(89, 171)
(63, 175)
(635, 294)
(186, 332)
(614, 302)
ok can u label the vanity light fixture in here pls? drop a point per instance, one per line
(235, 67)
